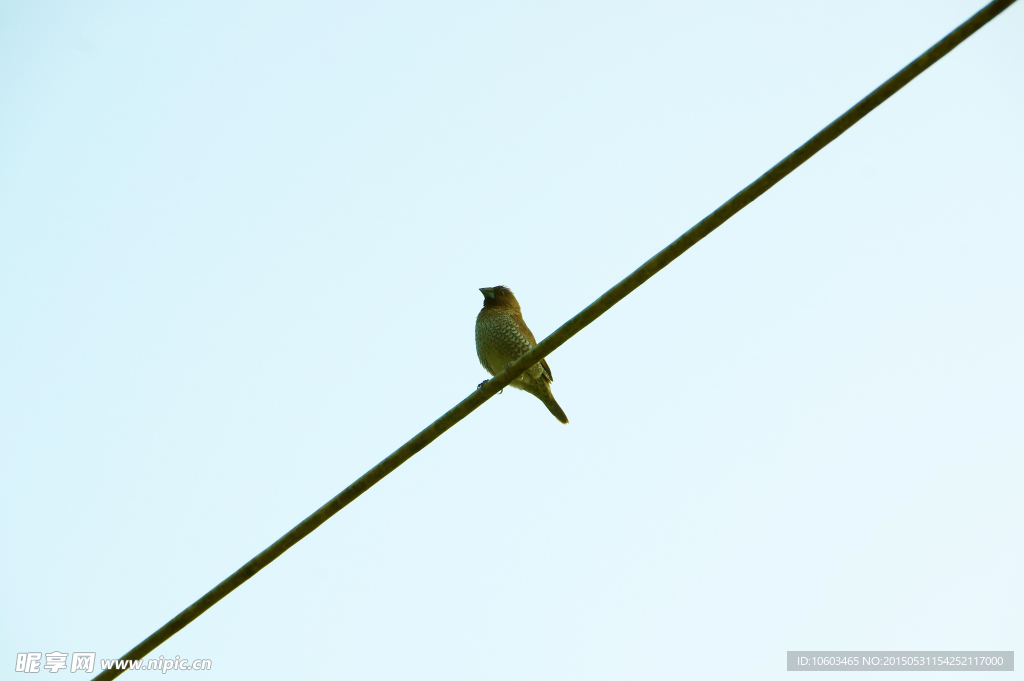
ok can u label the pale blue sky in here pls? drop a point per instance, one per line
(240, 248)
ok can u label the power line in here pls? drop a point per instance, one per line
(567, 330)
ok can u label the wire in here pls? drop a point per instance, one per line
(567, 330)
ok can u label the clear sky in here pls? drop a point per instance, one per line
(240, 248)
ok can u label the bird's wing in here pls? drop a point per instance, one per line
(547, 370)
(525, 330)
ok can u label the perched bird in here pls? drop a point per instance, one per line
(502, 337)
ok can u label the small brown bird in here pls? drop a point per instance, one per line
(502, 337)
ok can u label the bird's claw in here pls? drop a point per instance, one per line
(482, 383)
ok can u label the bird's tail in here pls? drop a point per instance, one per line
(549, 401)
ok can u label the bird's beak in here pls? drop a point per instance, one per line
(488, 292)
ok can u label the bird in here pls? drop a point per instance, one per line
(502, 337)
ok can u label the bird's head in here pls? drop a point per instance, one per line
(499, 296)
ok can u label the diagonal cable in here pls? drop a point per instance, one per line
(567, 330)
